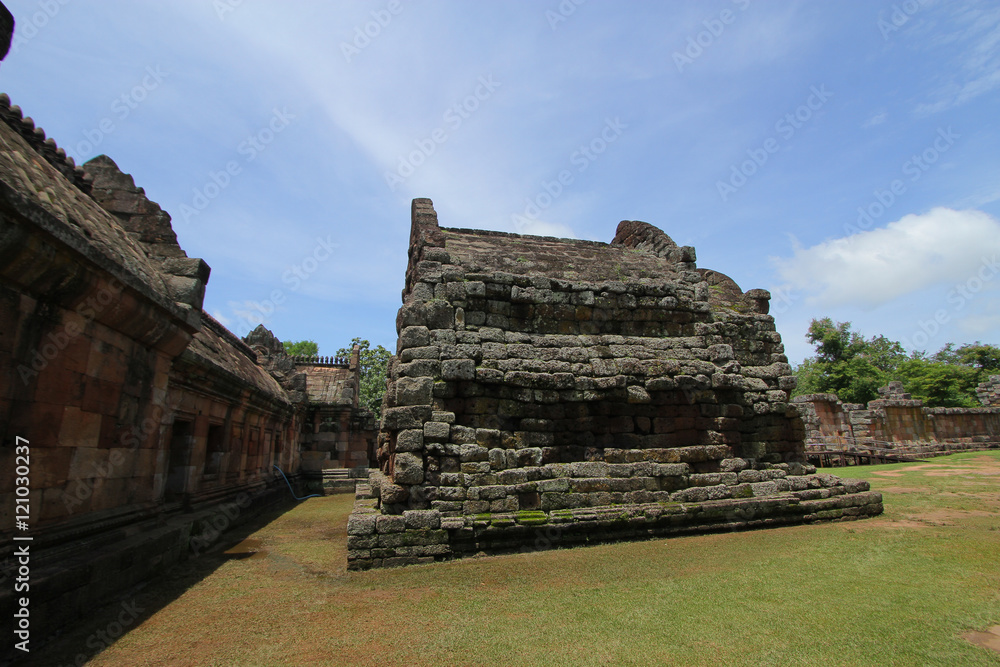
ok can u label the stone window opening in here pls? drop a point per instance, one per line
(179, 466)
(215, 450)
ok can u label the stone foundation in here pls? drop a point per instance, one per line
(589, 504)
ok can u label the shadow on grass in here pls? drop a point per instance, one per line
(78, 644)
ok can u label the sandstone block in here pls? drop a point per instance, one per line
(452, 493)
(414, 391)
(637, 394)
(409, 469)
(470, 452)
(422, 519)
(553, 485)
(399, 418)
(441, 416)
(426, 352)
(529, 456)
(420, 368)
(713, 479)
(453, 478)
(390, 524)
(512, 476)
(361, 524)
(452, 522)
(487, 492)
(463, 435)
(414, 336)
(589, 469)
(764, 489)
(436, 431)
(475, 506)
(410, 440)
(498, 458)
(509, 504)
(856, 485)
(488, 437)
(733, 465)
(458, 369)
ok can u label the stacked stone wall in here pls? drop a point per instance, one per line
(543, 376)
(901, 424)
(988, 392)
(825, 419)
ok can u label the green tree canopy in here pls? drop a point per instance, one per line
(374, 368)
(846, 364)
(307, 348)
(984, 358)
(853, 367)
(939, 384)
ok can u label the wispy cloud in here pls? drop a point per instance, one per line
(357, 117)
(877, 119)
(972, 50)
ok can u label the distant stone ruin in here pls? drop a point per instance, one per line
(988, 392)
(897, 423)
(552, 392)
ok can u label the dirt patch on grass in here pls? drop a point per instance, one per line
(870, 524)
(989, 639)
(900, 489)
(946, 517)
(939, 517)
(249, 548)
(981, 466)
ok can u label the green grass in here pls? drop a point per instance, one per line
(899, 589)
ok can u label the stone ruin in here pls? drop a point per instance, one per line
(988, 392)
(554, 392)
(897, 423)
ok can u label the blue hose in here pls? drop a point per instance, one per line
(315, 495)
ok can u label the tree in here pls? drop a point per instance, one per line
(938, 383)
(806, 378)
(307, 348)
(985, 359)
(853, 367)
(884, 354)
(848, 365)
(374, 368)
(949, 377)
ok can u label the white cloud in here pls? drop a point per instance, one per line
(877, 119)
(943, 246)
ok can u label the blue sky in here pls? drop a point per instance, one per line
(842, 154)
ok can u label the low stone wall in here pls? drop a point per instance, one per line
(594, 502)
(897, 423)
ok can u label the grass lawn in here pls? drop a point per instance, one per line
(899, 589)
